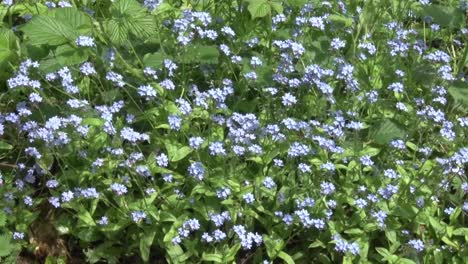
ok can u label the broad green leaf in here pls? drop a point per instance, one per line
(346, 21)
(459, 92)
(68, 55)
(370, 151)
(5, 245)
(387, 131)
(129, 18)
(453, 244)
(6, 146)
(462, 231)
(177, 152)
(296, 3)
(154, 60)
(383, 252)
(43, 29)
(277, 6)
(444, 15)
(145, 244)
(286, 257)
(2, 218)
(79, 21)
(7, 44)
(86, 218)
(200, 54)
(118, 32)
(259, 8)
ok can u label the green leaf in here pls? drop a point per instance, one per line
(277, 6)
(145, 244)
(118, 33)
(129, 17)
(286, 257)
(154, 60)
(369, 151)
(317, 243)
(446, 16)
(200, 54)
(7, 44)
(259, 8)
(453, 244)
(2, 219)
(69, 55)
(4, 145)
(79, 21)
(463, 231)
(340, 19)
(86, 218)
(405, 261)
(6, 248)
(42, 29)
(176, 151)
(383, 252)
(387, 131)
(218, 258)
(296, 3)
(459, 92)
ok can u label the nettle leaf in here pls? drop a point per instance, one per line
(5, 246)
(259, 8)
(43, 29)
(129, 17)
(117, 31)
(387, 131)
(7, 44)
(58, 27)
(79, 21)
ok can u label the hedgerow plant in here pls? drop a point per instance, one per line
(234, 131)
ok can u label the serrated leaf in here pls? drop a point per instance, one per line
(79, 21)
(277, 6)
(5, 246)
(259, 8)
(42, 29)
(129, 17)
(7, 44)
(117, 31)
